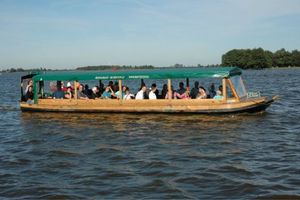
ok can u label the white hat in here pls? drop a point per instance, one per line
(69, 84)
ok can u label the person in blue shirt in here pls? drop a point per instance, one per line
(108, 93)
(58, 94)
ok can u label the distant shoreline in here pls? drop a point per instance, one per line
(12, 70)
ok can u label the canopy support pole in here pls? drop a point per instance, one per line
(35, 92)
(224, 89)
(169, 89)
(233, 89)
(75, 90)
(120, 90)
(187, 83)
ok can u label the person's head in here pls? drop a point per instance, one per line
(153, 87)
(201, 90)
(127, 90)
(165, 87)
(95, 90)
(219, 93)
(201, 87)
(30, 82)
(144, 88)
(124, 88)
(110, 83)
(181, 85)
(115, 88)
(107, 89)
(196, 84)
(81, 87)
(221, 88)
(58, 85)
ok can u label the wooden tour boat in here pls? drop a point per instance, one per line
(235, 97)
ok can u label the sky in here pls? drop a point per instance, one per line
(65, 34)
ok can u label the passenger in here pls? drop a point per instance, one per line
(201, 93)
(87, 91)
(80, 92)
(181, 89)
(68, 93)
(58, 94)
(115, 87)
(128, 95)
(52, 87)
(118, 93)
(212, 92)
(95, 93)
(63, 87)
(110, 84)
(156, 92)
(173, 93)
(221, 89)
(164, 91)
(29, 84)
(218, 96)
(185, 95)
(152, 94)
(141, 94)
(195, 90)
(101, 87)
(108, 93)
(29, 94)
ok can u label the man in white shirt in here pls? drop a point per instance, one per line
(140, 94)
(152, 94)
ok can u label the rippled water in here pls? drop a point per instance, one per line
(127, 156)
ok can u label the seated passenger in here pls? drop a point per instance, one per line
(128, 95)
(108, 93)
(181, 89)
(173, 93)
(185, 95)
(121, 94)
(29, 94)
(202, 93)
(195, 90)
(58, 94)
(141, 94)
(164, 91)
(218, 96)
(212, 91)
(29, 84)
(80, 93)
(87, 91)
(152, 94)
(95, 93)
(68, 93)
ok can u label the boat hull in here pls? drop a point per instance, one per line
(203, 106)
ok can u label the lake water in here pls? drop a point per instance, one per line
(153, 156)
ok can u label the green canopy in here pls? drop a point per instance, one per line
(162, 73)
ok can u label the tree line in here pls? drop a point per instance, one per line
(259, 58)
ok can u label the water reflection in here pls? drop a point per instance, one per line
(125, 122)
